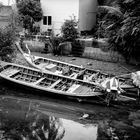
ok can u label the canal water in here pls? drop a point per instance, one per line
(25, 115)
(25, 119)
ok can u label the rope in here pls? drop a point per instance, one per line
(125, 68)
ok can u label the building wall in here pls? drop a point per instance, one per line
(87, 14)
(60, 10)
(3, 23)
(5, 15)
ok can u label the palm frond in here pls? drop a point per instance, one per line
(110, 10)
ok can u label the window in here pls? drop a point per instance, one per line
(47, 20)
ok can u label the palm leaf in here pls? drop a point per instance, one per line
(110, 10)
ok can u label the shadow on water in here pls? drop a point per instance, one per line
(25, 115)
(23, 119)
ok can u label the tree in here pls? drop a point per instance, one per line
(7, 39)
(122, 26)
(30, 11)
(69, 29)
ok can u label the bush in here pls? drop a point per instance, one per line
(7, 39)
(69, 30)
(55, 41)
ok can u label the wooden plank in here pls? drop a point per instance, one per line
(82, 90)
(55, 83)
(73, 88)
(38, 81)
(9, 72)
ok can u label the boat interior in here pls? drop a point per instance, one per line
(47, 80)
(71, 71)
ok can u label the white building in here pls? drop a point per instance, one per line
(5, 15)
(55, 12)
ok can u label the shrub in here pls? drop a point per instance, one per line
(55, 48)
(69, 30)
(7, 38)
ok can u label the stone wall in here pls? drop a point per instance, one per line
(99, 50)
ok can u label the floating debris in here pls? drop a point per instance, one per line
(84, 116)
(89, 64)
(73, 59)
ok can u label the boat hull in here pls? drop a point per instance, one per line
(36, 87)
(62, 68)
(24, 90)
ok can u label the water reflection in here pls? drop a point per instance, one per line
(78, 131)
(24, 120)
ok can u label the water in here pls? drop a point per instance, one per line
(25, 115)
(25, 119)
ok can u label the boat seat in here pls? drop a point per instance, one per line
(74, 75)
(50, 67)
(73, 88)
(55, 83)
(42, 65)
(38, 81)
(10, 72)
(82, 90)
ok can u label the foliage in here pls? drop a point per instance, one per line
(56, 41)
(7, 38)
(31, 127)
(69, 29)
(107, 17)
(30, 12)
(15, 20)
(122, 26)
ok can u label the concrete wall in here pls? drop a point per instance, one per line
(3, 24)
(87, 14)
(5, 15)
(60, 10)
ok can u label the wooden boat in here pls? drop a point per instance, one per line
(55, 85)
(48, 82)
(70, 70)
(62, 68)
